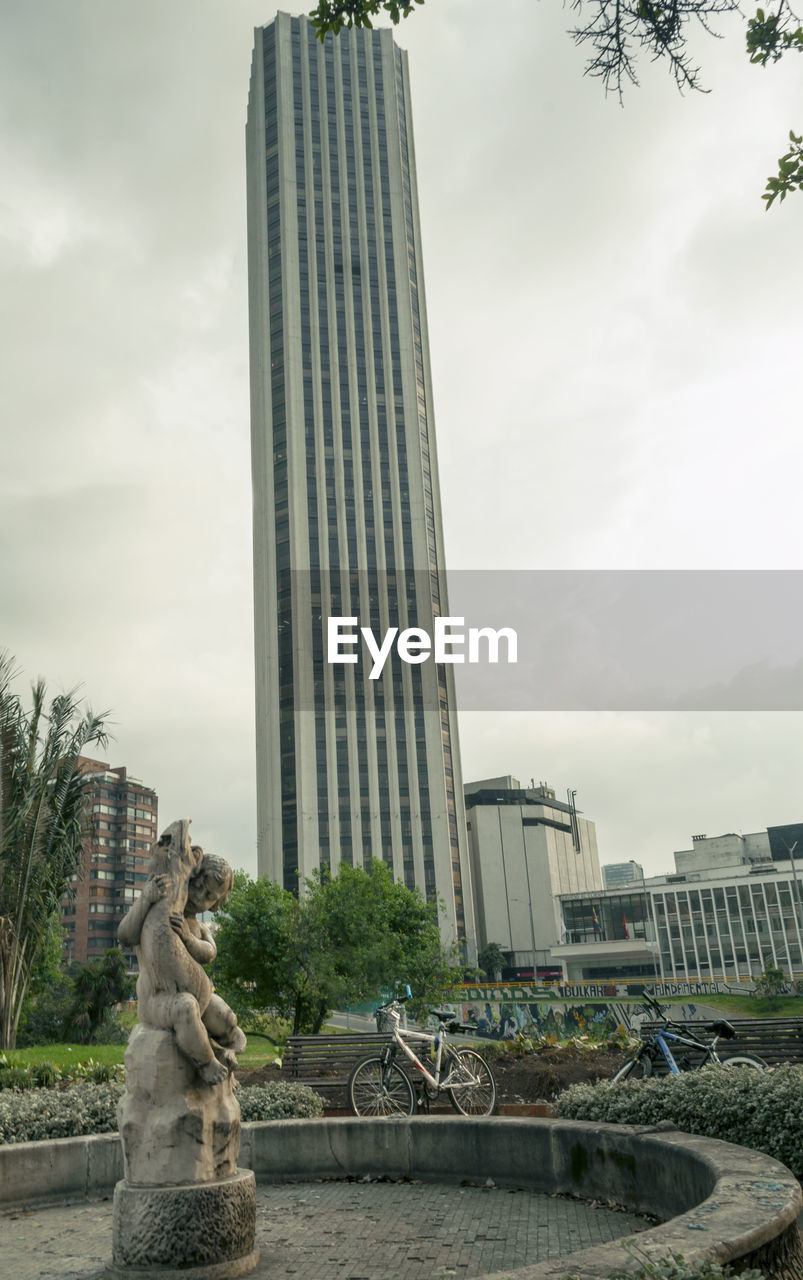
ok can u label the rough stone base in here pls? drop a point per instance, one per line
(215, 1271)
(204, 1230)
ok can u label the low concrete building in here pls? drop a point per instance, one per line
(727, 910)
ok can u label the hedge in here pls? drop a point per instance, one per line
(34, 1115)
(758, 1109)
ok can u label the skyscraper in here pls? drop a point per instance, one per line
(347, 519)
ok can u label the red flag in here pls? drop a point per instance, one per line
(624, 922)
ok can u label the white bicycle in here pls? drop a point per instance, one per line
(378, 1086)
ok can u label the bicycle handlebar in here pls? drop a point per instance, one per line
(402, 999)
(650, 1000)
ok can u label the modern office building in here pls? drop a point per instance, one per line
(617, 874)
(526, 848)
(122, 826)
(347, 518)
(727, 910)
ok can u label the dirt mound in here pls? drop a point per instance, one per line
(541, 1076)
(532, 1077)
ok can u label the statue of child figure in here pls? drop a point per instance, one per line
(173, 991)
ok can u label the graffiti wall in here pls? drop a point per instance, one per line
(505, 1019)
(561, 1019)
(495, 991)
(500, 1011)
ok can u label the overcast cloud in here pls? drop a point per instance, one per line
(615, 329)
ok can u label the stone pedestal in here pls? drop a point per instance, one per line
(184, 1208)
(202, 1231)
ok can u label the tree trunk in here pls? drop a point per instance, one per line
(320, 1017)
(8, 1024)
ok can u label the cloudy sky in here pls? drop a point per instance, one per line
(616, 327)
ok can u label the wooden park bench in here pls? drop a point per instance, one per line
(324, 1062)
(776, 1040)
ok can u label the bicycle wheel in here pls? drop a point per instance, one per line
(635, 1069)
(471, 1089)
(376, 1088)
(745, 1060)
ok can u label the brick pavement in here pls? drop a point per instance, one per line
(345, 1231)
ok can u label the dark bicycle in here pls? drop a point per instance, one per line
(690, 1050)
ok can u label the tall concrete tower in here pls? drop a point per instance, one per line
(347, 517)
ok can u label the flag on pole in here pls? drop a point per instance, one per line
(624, 922)
(595, 921)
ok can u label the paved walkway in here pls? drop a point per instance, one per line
(345, 1231)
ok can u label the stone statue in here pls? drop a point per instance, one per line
(183, 1205)
(173, 991)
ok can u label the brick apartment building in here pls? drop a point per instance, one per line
(123, 816)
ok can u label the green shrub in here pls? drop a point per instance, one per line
(38, 1075)
(758, 1109)
(40, 1114)
(16, 1078)
(279, 1101)
(96, 1072)
(45, 1074)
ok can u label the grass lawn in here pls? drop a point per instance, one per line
(260, 1053)
(65, 1054)
(747, 1006)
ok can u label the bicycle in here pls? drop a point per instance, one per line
(377, 1086)
(656, 1047)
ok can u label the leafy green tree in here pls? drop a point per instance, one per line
(42, 822)
(618, 32)
(380, 934)
(265, 958)
(97, 986)
(348, 938)
(770, 984)
(492, 961)
(45, 1005)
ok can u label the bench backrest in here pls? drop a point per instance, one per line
(776, 1040)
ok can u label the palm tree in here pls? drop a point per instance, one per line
(98, 986)
(42, 824)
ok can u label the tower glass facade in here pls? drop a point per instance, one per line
(347, 519)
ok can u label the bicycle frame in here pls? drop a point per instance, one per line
(425, 1037)
(664, 1035)
(400, 1035)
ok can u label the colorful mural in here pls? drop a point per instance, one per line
(527, 991)
(551, 1019)
(504, 1019)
